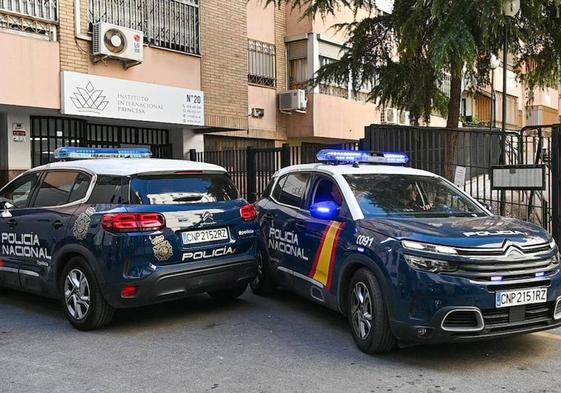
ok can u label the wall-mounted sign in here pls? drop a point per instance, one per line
(98, 96)
(19, 133)
(518, 177)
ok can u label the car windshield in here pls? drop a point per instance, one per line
(393, 195)
(182, 188)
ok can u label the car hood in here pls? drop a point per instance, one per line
(490, 231)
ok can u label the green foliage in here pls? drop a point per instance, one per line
(409, 52)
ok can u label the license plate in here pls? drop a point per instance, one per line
(520, 297)
(205, 235)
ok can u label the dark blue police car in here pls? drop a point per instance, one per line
(403, 253)
(120, 232)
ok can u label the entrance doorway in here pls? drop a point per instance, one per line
(49, 133)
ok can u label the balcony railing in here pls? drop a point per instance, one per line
(171, 24)
(30, 16)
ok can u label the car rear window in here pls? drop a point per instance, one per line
(170, 189)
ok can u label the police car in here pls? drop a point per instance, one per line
(103, 234)
(403, 253)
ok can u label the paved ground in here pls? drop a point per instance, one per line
(279, 344)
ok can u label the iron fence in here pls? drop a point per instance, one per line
(171, 24)
(251, 169)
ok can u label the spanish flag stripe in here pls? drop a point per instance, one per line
(333, 254)
(316, 262)
(325, 253)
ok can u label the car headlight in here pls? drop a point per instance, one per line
(430, 265)
(425, 247)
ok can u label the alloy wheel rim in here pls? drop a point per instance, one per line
(257, 279)
(77, 294)
(361, 310)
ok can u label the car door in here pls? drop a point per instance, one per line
(43, 226)
(285, 211)
(18, 194)
(320, 239)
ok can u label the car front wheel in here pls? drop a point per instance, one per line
(367, 314)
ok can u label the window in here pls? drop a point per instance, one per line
(18, 191)
(110, 190)
(171, 24)
(62, 187)
(298, 73)
(294, 189)
(332, 88)
(278, 188)
(179, 189)
(262, 64)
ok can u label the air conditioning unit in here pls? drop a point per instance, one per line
(117, 42)
(390, 116)
(293, 101)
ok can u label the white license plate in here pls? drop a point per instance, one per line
(520, 297)
(205, 235)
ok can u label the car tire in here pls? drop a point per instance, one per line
(81, 298)
(367, 314)
(262, 284)
(228, 294)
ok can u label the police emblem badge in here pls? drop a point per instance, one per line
(82, 224)
(162, 248)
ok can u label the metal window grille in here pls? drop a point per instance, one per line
(31, 16)
(171, 24)
(262, 64)
(44, 9)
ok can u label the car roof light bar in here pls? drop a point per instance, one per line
(361, 156)
(83, 153)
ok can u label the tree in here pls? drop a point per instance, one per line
(409, 53)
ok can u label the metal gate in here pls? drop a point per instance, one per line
(50, 133)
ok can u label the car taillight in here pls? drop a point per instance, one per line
(248, 213)
(128, 222)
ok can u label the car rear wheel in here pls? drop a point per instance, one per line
(262, 284)
(228, 294)
(367, 314)
(82, 301)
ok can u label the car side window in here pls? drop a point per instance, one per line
(278, 188)
(18, 192)
(294, 189)
(61, 187)
(109, 190)
(326, 190)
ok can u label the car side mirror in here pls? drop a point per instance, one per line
(327, 210)
(6, 206)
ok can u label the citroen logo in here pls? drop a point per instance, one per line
(208, 217)
(514, 253)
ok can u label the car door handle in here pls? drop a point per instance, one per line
(300, 225)
(267, 217)
(57, 224)
(12, 223)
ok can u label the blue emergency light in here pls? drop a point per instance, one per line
(361, 156)
(82, 153)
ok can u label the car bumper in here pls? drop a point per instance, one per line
(182, 280)
(423, 316)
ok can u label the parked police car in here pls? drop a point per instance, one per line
(120, 232)
(405, 254)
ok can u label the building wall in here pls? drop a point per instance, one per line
(30, 71)
(224, 62)
(159, 66)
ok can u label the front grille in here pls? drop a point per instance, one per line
(508, 263)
